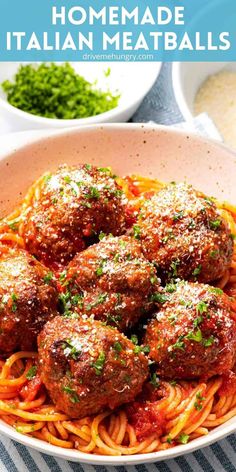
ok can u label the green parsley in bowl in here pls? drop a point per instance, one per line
(55, 95)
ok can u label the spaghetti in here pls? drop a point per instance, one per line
(187, 409)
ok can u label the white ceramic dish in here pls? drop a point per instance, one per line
(151, 151)
(187, 78)
(121, 80)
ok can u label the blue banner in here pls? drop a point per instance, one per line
(115, 30)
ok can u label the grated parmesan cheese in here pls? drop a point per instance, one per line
(217, 97)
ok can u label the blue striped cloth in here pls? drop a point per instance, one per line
(158, 106)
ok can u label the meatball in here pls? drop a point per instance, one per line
(74, 206)
(87, 366)
(183, 233)
(194, 333)
(112, 281)
(28, 298)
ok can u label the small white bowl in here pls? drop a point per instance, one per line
(188, 77)
(132, 80)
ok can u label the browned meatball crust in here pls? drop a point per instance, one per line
(87, 367)
(75, 204)
(112, 281)
(28, 298)
(194, 334)
(182, 231)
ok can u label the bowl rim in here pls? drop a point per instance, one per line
(38, 137)
(101, 117)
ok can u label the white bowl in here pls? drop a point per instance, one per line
(187, 78)
(143, 149)
(132, 80)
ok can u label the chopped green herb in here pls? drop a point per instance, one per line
(179, 344)
(101, 236)
(99, 363)
(215, 224)
(31, 372)
(213, 254)
(183, 438)
(88, 166)
(93, 193)
(72, 348)
(197, 321)
(202, 307)
(197, 270)
(56, 91)
(216, 290)
(159, 298)
(208, 342)
(73, 395)
(14, 298)
(178, 215)
(154, 381)
(48, 278)
(174, 266)
(117, 346)
(170, 288)
(134, 339)
(137, 231)
(195, 336)
(107, 72)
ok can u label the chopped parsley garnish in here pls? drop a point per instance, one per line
(183, 438)
(104, 170)
(100, 299)
(101, 236)
(202, 307)
(154, 381)
(198, 404)
(117, 346)
(134, 339)
(174, 266)
(72, 348)
(153, 280)
(93, 193)
(144, 349)
(169, 440)
(215, 224)
(73, 395)
(48, 277)
(179, 344)
(213, 254)
(178, 215)
(159, 298)
(67, 179)
(197, 321)
(100, 269)
(99, 363)
(172, 319)
(88, 166)
(137, 231)
(216, 290)
(62, 276)
(14, 302)
(77, 299)
(195, 336)
(31, 372)
(208, 342)
(197, 271)
(170, 288)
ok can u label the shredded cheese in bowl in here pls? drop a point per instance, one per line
(217, 97)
